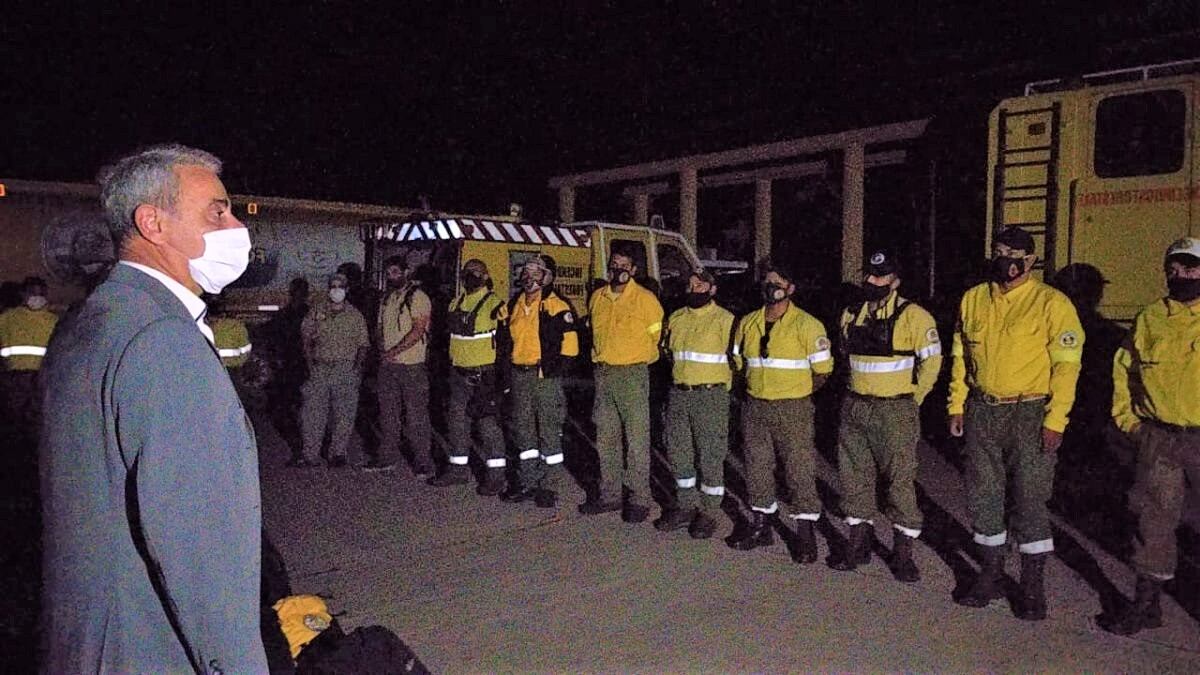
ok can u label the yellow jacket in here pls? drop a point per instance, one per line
(699, 341)
(796, 348)
(914, 345)
(1156, 373)
(231, 340)
(625, 327)
(1025, 341)
(24, 335)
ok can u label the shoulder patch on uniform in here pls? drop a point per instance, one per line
(931, 335)
(568, 317)
(1068, 339)
(823, 343)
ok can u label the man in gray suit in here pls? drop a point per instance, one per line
(149, 469)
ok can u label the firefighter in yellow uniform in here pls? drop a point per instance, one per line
(1017, 351)
(1156, 400)
(787, 358)
(543, 341)
(475, 315)
(626, 327)
(24, 335)
(698, 339)
(894, 356)
(230, 336)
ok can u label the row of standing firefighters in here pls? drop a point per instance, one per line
(1016, 350)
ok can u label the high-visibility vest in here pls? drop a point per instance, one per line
(698, 340)
(473, 321)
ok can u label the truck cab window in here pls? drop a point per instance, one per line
(1140, 134)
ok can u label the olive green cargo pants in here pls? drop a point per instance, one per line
(698, 427)
(539, 409)
(1168, 460)
(622, 410)
(780, 430)
(878, 437)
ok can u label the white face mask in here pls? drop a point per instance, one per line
(337, 295)
(35, 302)
(226, 256)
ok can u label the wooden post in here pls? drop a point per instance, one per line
(566, 204)
(852, 213)
(762, 221)
(687, 204)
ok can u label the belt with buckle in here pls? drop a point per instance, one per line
(477, 370)
(525, 368)
(870, 397)
(697, 387)
(992, 399)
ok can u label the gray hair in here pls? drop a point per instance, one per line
(146, 177)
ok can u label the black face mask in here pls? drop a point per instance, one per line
(1002, 268)
(698, 300)
(873, 292)
(1180, 289)
(396, 283)
(618, 275)
(472, 282)
(773, 293)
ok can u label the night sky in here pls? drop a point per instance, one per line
(478, 107)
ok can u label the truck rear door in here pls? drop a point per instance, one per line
(1134, 195)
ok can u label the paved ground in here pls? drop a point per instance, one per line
(476, 585)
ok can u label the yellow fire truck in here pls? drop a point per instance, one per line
(1102, 169)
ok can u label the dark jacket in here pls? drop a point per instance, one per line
(556, 318)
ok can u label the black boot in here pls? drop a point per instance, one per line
(804, 550)
(987, 584)
(903, 567)
(673, 519)
(858, 549)
(1032, 604)
(702, 526)
(756, 533)
(492, 483)
(451, 475)
(1145, 611)
(514, 493)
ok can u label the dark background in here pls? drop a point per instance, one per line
(477, 104)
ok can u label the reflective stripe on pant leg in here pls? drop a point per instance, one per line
(793, 428)
(551, 415)
(1032, 472)
(710, 423)
(760, 456)
(985, 471)
(681, 448)
(897, 427)
(856, 463)
(458, 426)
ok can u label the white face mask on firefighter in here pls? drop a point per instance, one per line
(337, 295)
(226, 256)
(35, 302)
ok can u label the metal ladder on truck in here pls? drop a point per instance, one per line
(1025, 178)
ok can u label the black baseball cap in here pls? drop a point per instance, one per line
(1016, 239)
(881, 263)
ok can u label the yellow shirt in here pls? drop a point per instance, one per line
(524, 324)
(1025, 341)
(24, 335)
(473, 351)
(916, 332)
(335, 336)
(1156, 373)
(796, 348)
(231, 340)
(699, 341)
(625, 327)
(396, 320)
